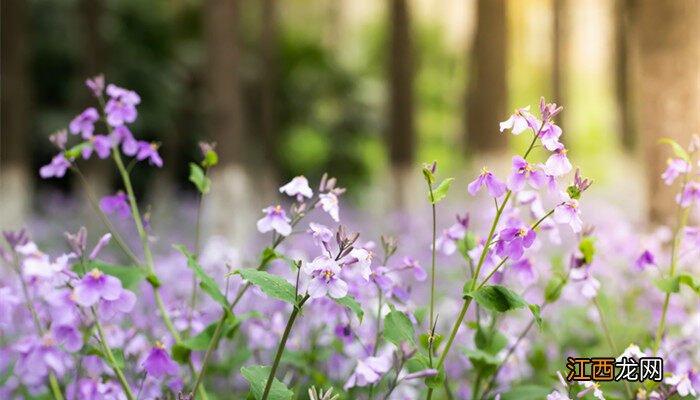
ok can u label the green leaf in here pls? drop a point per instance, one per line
(75, 151)
(272, 285)
(200, 180)
(257, 378)
(429, 177)
(210, 159)
(497, 298)
(690, 281)
(350, 302)
(677, 149)
(573, 192)
(129, 276)
(436, 381)
(535, 310)
(206, 282)
(180, 353)
(587, 248)
(527, 392)
(553, 289)
(117, 353)
(490, 340)
(398, 328)
(477, 356)
(200, 342)
(466, 244)
(441, 191)
(668, 285)
(423, 340)
(269, 254)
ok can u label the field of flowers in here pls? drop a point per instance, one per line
(500, 302)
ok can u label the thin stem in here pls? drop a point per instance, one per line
(210, 349)
(609, 338)
(378, 334)
(468, 300)
(432, 269)
(197, 234)
(280, 348)
(110, 357)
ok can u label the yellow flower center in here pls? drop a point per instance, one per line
(160, 345)
(96, 273)
(484, 171)
(328, 274)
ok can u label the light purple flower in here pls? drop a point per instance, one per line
(95, 286)
(39, 356)
(512, 242)
(8, 302)
(68, 336)
(418, 271)
(524, 172)
(118, 203)
(329, 203)
(101, 144)
(149, 151)
(325, 280)
(59, 139)
(420, 374)
(646, 259)
(525, 271)
(57, 168)
(558, 163)
(682, 384)
(494, 187)
(519, 121)
(84, 123)
(379, 276)
(121, 108)
(275, 219)
(130, 146)
(121, 305)
(96, 85)
(321, 234)
(368, 371)
(568, 213)
(691, 193)
(549, 135)
(675, 168)
(104, 240)
(298, 187)
(548, 110)
(158, 363)
(358, 262)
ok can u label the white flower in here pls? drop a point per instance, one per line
(329, 202)
(682, 384)
(632, 351)
(298, 186)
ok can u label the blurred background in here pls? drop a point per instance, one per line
(363, 89)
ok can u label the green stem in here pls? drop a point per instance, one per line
(609, 338)
(197, 234)
(110, 357)
(210, 349)
(432, 269)
(280, 348)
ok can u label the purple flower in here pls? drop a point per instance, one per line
(513, 241)
(675, 168)
(568, 213)
(519, 121)
(57, 168)
(494, 187)
(8, 302)
(96, 85)
(298, 187)
(359, 262)
(329, 203)
(275, 219)
(59, 138)
(549, 135)
(691, 193)
(149, 151)
(558, 164)
(646, 259)
(158, 363)
(39, 356)
(548, 110)
(84, 123)
(121, 108)
(121, 305)
(420, 374)
(418, 271)
(525, 271)
(368, 371)
(379, 276)
(95, 286)
(101, 144)
(524, 172)
(325, 280)
(321, 234)
(119, 203)
(68, 336)
(104, 240)
(123, 135)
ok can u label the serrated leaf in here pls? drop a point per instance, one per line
(677, 149)
(206, 282)
(350, 302)
(441, 191)
(257, 378)
(272, 285)
(398, 328)
(200, 180)
(497, 298)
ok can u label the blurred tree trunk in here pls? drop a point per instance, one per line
(623, 28)
(668, 100)
(15, 154)
(487, 94)
(96, 171)
(402, 135)
(559, 59)
(228, 199)
(268, 109)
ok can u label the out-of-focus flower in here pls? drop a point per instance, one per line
(368, 371)
(275, 219)
(646, 259)
(494, 187)
(675, 167)
(568, 213)
(298, 187)
(38, 356)
(632, 351)
(96, 85)
(149, 151)
(59, 139)
(418, 271)
(101, 144)
(558, 163)
(123, 136)
(56, 169)
(524, 172)
(329, 203)
(690, 194)
(95, 286)
(319, 395)
(549, 110)
(158, 363)
(591, 387)
(525, 271)
(118, 203)
(557, 395)
(121, 107)
(519, 121)
(682, 384)
(84, 123)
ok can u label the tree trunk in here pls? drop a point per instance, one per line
(559, 59)
(623, 29)
(668, 101)
(229, 213)
(268, 82)
(486, 101)
(401, 134)
(15, 163)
